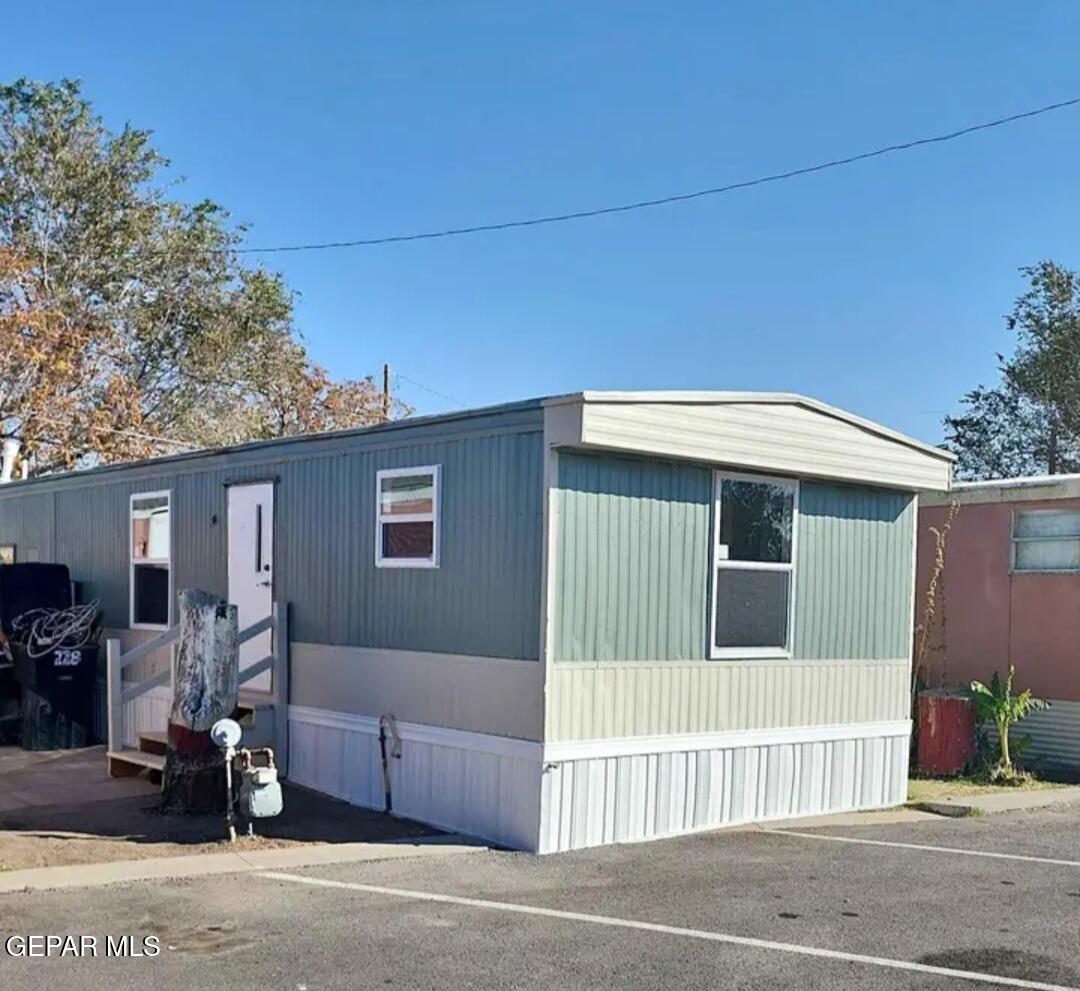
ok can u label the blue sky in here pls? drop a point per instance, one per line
(880, 287)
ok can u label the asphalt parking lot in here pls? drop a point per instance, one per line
(984, 902)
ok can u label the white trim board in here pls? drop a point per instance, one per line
(729, 740)
(389, 655)
(705, 664)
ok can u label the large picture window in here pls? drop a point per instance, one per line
(754, 531)
(151, 561)
(1046, 540)
(407, 517)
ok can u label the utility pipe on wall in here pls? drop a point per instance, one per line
(9, 451)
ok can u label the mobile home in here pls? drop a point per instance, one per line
(1008, 594)
(590, 618)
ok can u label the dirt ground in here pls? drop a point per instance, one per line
(61, 808)
(938, 789)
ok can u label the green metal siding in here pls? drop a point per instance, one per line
(854, 572)
(631, 560)
(632, 564)
(484, 599)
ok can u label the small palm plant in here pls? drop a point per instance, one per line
(998, 705)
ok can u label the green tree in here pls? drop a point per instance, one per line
(179, 341)
(1029, 424)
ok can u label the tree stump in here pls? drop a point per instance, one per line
(204, 690)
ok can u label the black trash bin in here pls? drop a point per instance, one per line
(56, 681)
(57, 696)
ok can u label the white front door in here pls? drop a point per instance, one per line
(251, 568)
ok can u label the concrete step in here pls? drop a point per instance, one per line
(153, 742)
(128, 761)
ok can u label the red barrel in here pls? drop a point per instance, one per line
(946, 731)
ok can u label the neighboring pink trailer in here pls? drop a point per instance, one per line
(1010, 593)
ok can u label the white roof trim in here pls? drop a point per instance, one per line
(1022, 482)
(774, 398)
(1027, 488)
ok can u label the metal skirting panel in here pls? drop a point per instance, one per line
(644, 796)
(336, 760)
(147, 713)
(587, 701)
(1055, 738)
(484, 786)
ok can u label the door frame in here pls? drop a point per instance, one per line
(272, 481)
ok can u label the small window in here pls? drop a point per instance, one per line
(151, 560)
(1046, 540)
(407, 518)
(753, 558)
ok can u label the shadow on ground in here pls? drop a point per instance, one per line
(62, 808)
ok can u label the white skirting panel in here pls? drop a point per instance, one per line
(1055, 738)
(574, 794)
(621, 791)
(486, 786)
(148, 712)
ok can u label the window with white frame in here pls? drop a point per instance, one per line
(754, 528)
(407, 517)
(151, 560)
(1046, 540)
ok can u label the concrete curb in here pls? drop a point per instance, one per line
(873, 817)
(229, 862)
(1005, 800)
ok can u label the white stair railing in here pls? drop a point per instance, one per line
(119, 693)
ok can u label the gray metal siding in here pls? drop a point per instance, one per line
(632, 564)
(27, 522)
(631, 560)
(483, 600)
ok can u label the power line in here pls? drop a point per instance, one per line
(111, 430)
(435, 392)
(559, 218)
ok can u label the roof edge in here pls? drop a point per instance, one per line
(763, 398)
(165, 460)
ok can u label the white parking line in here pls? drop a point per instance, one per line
(704, 934)
(923, 846)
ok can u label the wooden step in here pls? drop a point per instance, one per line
(126, 762)
(153, 742)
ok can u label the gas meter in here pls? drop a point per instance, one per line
(260, 790)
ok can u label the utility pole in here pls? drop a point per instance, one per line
(386, 393)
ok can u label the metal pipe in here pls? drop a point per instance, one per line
(230, 811)
(9, 451)
(387, 729)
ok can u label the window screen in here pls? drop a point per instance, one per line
(407, 518)
(151, 559)
(1046, 540)
(754, 563)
